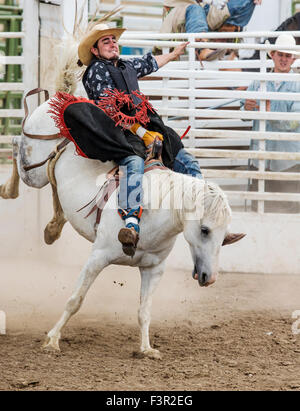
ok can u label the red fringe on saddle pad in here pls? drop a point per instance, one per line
(58, 105)
(116, 102)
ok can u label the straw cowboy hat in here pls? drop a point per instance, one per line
(99, 30)
(284, 40)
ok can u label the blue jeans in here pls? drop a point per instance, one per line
(240, 13)
(131, 182)
(186, 163)
(132, 170)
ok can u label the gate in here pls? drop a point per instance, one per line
(19, 62)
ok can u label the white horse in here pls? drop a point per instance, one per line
(203, 216)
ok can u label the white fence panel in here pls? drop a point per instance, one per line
(185, 93)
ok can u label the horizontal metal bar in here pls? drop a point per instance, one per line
(12, 34)
(251, 195)
(12, 86)
(213, 74)
(209, 93)
(12, 60)
(220, 45)
(260, 155)
(15, 113)
(230, 114)
(238, 134)
(206, 35)
(257, 175)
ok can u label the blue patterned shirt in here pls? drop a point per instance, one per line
(98, 77)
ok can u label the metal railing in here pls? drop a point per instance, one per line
(27, 66)
(183, 92)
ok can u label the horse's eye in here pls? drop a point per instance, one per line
(204, 231)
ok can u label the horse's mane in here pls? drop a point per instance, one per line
(293, 19)
(189, 197)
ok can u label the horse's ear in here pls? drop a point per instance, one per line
(233, 238)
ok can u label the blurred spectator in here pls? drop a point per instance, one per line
(283, 60)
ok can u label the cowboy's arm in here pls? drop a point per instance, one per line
(96, 82)
(163, 59)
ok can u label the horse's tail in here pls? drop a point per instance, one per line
(68, 72)
(68, 69)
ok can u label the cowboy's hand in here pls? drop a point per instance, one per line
(150, 136)
(179, 50)
(147, 136)
(251, 104)
(257, 2)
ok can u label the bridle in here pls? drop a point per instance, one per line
(59, 147)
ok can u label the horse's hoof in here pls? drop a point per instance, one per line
(53, 231)
(152, 353)
(51, 345)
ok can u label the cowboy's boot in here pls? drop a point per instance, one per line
(129, 236)
(209, 54)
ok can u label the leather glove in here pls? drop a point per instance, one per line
(147, 136)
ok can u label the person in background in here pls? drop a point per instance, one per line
(196, 16)
(283, 60)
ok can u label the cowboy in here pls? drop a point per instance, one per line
(99, 51)
(283, 60)
(196, 16)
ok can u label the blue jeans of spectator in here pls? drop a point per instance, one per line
(186, 163)
(131, 182)
(240, 13)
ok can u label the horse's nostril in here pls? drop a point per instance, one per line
(204, 278)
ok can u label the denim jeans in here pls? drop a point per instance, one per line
(132, 170)
(131, 182)
(240, 13)
(186, 163)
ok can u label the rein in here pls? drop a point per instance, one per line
(41, 136)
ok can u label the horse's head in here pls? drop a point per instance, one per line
(208, 233)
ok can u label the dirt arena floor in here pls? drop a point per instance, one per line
(234, 335)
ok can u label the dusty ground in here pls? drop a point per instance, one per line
(234, 335)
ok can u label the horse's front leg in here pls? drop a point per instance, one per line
(150, 278)
(95, 264)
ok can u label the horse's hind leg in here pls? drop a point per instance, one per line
(11, 188)
(150, 278)
(89, 273)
